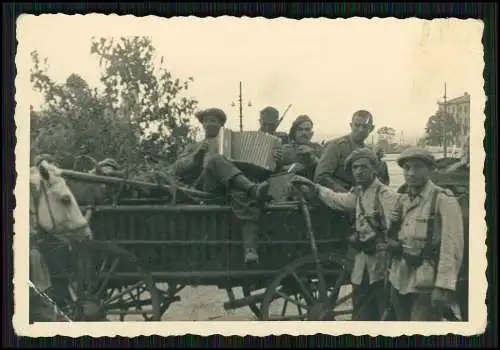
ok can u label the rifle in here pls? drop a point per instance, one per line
(283, 116)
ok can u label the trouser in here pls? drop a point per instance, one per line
(219, 175)
(369, 301)
(414, 307)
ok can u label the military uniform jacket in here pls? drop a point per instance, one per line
(187, 168)
(304, 167)
(448, 236)
(377, 197)
(330, 171)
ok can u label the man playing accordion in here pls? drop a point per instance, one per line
(214, 173)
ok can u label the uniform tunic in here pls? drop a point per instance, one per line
(374, 265)
(414, 213)
(303, 166)
(189, 168)
(330, 171)
(216, 172)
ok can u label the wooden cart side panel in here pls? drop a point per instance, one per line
(210, 240)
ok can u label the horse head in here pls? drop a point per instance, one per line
(53, 206)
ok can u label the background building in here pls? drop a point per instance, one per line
(459, 108)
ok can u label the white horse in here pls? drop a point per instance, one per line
(54, 213)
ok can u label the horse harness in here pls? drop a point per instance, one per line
(34, 213)
(36, 238)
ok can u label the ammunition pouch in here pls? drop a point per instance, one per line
(412, 258)
(368, 247)
(395, 248)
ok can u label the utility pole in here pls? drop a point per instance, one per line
(240, 102)
(241, 108)
(445, 150)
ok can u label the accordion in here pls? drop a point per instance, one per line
(248, 150)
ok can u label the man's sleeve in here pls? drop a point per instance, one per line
(184, 163)
(327, 165)
(389, 200)
(337, 201)
(452, 242)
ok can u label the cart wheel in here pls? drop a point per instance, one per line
(255, 307)
(168, 295)
(295, 294)
(107, 283)
(247, 292)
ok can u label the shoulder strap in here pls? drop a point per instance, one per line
(362, 210)
(431, 224)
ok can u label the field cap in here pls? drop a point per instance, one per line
(269, 114)
(417, 153)
(361, 153)
(219, 113)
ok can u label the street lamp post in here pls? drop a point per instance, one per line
(445, 150)
(240, 102)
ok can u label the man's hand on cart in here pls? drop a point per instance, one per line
(308, 188)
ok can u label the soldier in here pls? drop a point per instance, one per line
(330, 171)
(369, 200)
(108, 167)
(218, 175)
(383, 172)
(301, 155)
(269, 120)
(426, 240)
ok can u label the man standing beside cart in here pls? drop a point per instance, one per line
(427, 240)
(371, 202)
(200, 163)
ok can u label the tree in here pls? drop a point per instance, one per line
(140, 113)
(434, 129)
(150, 98)
(385, 137)
(421, 142)
(73, 121)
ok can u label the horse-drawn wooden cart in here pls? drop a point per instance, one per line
(145, 251)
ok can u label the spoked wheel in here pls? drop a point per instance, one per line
(299, 293)
(249, 290)
(168, 295)
(107, 283)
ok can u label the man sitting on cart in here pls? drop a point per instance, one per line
(371, 202)
(200, 163)
(330, 171)
(300, 155)
(269, 121)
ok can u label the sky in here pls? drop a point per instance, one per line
(325, 68)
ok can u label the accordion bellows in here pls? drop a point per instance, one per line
(248, 148)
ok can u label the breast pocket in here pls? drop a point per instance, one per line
(420, 224)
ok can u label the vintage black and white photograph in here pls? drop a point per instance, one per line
(245, 173)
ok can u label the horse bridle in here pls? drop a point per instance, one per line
(54, 232)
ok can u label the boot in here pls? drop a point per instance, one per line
(258, 191)
(250, 232)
